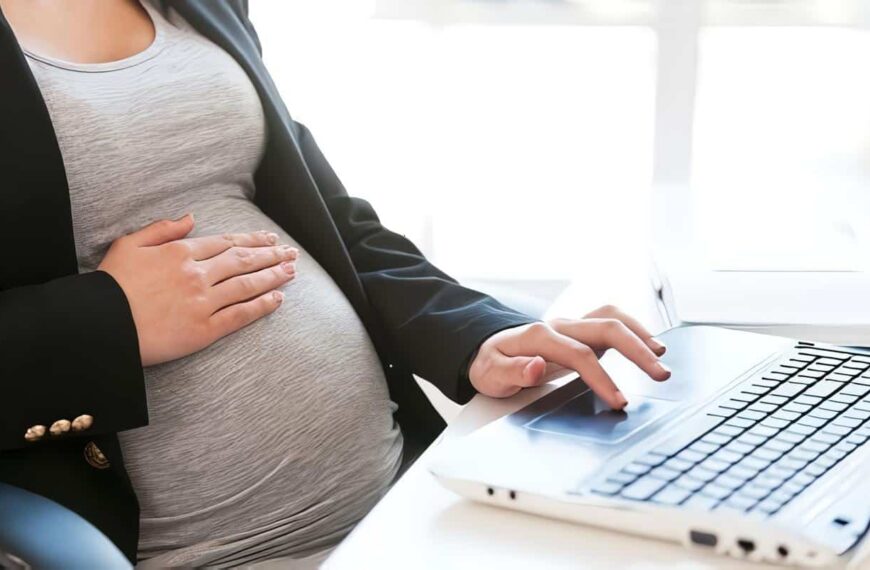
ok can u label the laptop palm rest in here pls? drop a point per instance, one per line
(587, 417)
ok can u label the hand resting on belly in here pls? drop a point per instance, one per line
(185, 294)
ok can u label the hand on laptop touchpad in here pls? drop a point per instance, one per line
(588, 417)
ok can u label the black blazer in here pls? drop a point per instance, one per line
(68, 341)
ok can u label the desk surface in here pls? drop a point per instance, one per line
(419, 524)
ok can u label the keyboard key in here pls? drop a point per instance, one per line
(728, 482)
(643, 489)
(785, 415)
(795, 407)
(764, 431)
(810, 400)
(816, 445)
(716, 439)
(688, 483)
(671, 495)
(857, 413)
(822, 389)
(752, 415)
(727, 456)
(702, 474)
(801, 430)
(721, 412)
(636, 468)
(752, 439)
(704, 447)
(833, 406)
(828, 438)
(622, 478)
(652, 459)
(767, 454)
(664, 473)
(739, 447)
(745, 397)
(754, 492)
(847, 422)
(691, 456)
(767, 382)
(811, 421)
(787, 390)
(856, 390)
(774, 423)
(733, 404)
(844, 398)
(837, 430)
(679, 465)
(701, 502)
(811, 374)
(822, 413)
(714, 465)
(774, 400)
(730, 431)
(715, 491)
(762, 407)
(740, 502)
(839, 377)
(740, 422)
(607, 488)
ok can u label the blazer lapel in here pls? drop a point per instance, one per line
(35, 221)
(286, 191)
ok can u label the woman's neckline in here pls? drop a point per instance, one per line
(146, 54)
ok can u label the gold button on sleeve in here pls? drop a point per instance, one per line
(59, 427)
(82, 422)
(34, 433)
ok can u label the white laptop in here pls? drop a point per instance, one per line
(755, 449)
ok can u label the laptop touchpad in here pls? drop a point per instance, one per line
(588, 417)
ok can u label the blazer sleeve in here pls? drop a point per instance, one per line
(69, 347)
(435, 323)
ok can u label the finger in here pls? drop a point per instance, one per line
(207, 247)
(601, 334)
(566, 351)
(163, 231)
(612, 312)
(243, 287)
(240, 315)
(241, 260)
(507, 375)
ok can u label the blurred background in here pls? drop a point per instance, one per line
(526, 144)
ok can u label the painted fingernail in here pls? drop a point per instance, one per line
(288, 268)
(657, 347)
(620, 400)
(278, 296)
(272, 238)
(663, 370)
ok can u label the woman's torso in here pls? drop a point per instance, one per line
(274, 440)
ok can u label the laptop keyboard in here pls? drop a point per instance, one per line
(762, 443)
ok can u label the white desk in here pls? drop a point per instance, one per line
(419, 524)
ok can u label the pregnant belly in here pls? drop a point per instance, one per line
(285, 418)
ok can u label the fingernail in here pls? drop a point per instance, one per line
(657, 347)
(620, 400)
(663, 370)
(188, 215)
(278, 296)
(272, 238)
(288, 268)
(290, 251)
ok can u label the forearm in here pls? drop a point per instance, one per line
(69, 348)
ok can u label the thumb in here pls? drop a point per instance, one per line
(529, 370)
(163, 231)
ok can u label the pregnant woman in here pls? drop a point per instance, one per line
(207, 345)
